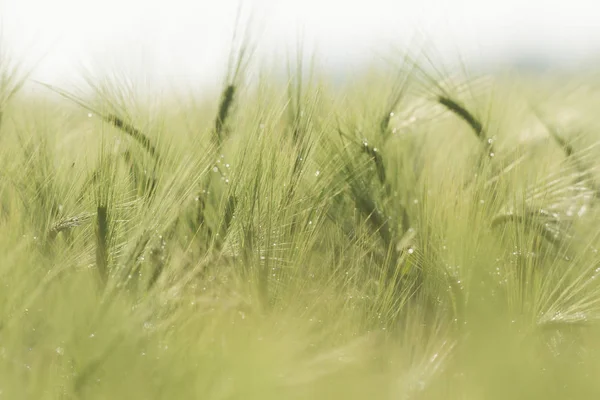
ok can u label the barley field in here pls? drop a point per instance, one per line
(411, 233)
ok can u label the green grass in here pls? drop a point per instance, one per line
(405, 236)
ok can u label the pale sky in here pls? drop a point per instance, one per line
(188, 40)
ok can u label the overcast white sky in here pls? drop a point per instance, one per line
(187, 40)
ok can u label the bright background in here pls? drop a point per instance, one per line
(187, 41)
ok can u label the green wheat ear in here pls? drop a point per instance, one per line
(66, 224)
(112, 119)
(474, 123)
(102, 229)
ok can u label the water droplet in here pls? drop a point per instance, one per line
(215, 169)
(317, 173)
(60, 351)
(90, 115)
(492, 154)
(411, 250)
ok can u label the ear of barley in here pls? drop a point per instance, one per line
(102, 243)
(466, 116)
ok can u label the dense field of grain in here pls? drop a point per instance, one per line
(409, 234)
